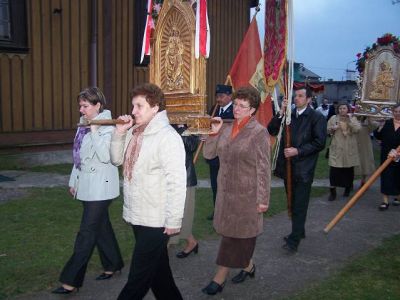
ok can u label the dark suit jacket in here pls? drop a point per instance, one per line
(190, 142)
(227, 114)
(308, 135)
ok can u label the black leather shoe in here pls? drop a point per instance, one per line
(347, 191)
(183, 254)
(213, 288)
(243, 275)
(63, 291)
(289, 249)
(286, 238)
(383, 206)
(105, 276)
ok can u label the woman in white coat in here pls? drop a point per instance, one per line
(95, 182)
(153, 158)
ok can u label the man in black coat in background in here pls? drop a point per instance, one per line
(223, 94)
(308, 135)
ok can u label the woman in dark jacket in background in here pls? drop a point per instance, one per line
(190, 142)
(389, 135)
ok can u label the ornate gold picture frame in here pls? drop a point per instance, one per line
(380, 89)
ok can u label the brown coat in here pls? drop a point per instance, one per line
(343, 151)
(243, 179)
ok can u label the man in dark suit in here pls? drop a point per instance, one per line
(308, 135)
(223, 94)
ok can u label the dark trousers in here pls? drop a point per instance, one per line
(150, 267)
(95, 230)
(300, 199)
(214, 168)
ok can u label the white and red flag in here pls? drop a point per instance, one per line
(202, 40)
(147, 31)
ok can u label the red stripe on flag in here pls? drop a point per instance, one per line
(203, 27)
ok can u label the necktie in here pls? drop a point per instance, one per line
(221, 111)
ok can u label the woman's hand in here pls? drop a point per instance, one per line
(394, 154)
(215, 127)
(262, 208)
(171, 231)
(72, 191)
(123, 128)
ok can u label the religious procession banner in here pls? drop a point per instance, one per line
(379, 67)
(248, 69)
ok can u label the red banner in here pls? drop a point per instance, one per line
(248, 69)
(274, 41)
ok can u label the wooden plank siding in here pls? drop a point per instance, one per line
(38, 89)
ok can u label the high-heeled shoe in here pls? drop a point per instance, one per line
(105, 276)
(183, 254)
(213, 288)
(243, 275)
(63, 291)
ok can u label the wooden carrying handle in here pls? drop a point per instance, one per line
(102, 122)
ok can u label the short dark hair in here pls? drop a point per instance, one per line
(152, 93)
(307, 89)
(93, 95)
(249, 94)
(343, 104)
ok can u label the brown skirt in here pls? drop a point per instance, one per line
(235, 253)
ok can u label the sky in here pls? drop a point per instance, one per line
(329, 33)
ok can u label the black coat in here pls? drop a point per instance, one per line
(190, 142)
(308, 135)
(390, 139)
(227, 114)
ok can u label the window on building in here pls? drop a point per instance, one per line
(13, 33)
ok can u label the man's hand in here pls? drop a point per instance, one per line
(290, 152)
(171, 231)
(283, 107)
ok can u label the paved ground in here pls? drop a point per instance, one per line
(277, 275)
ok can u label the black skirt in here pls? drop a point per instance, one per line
(390, 180)
(341, 177)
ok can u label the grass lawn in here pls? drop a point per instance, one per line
(38, 231)
(375, 275)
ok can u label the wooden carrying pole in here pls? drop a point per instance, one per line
(101, 122)
(359, 193)
(289, 185)
(196, 155)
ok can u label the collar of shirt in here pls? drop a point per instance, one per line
(299, 112)
(226, 106)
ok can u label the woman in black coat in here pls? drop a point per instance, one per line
(389, 135)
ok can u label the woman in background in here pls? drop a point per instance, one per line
(389, 134)
(190, 142)
(343, 151)
(365, 149)
(94, 181)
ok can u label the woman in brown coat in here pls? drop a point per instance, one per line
(244, 187)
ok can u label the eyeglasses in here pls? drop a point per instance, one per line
(241, 106)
